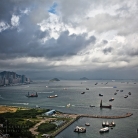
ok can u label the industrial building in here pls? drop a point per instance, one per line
(51, 112)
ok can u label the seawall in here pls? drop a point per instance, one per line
(89, 116)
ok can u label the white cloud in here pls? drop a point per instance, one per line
(15, 20)
(3, 26)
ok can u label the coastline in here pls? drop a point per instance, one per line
(73, 118)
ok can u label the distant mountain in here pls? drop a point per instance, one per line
(55, 79)
(84, 78)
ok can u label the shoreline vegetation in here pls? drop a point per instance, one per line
(31, 122)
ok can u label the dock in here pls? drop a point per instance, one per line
(89, 116)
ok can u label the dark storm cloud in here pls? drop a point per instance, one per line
(26, 39)
(14, 43)
(27, 43)
(65, 45)
(133, 52)
(107, 50)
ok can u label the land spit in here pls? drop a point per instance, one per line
(89, 116)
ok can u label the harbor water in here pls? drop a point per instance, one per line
(69, 92)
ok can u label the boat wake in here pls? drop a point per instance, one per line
(21, 103)
(25, 86)
(46, 92)
(60, 106)
(1, 97)
(104, 87)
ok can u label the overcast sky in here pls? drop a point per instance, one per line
(69, 39)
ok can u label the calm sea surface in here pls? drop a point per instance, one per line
(70, 92)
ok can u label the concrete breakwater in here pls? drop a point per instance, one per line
(106, 117)
(89, 116)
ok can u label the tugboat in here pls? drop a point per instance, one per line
(125, 96)
(100, 95)
(80, 129)
(103, 124)
(92, 106)
(87, 124)
(32, 95)
(129, 93)
(82, 92)
(52, 96)
(113, 123)
(107, 124)
(111, 99)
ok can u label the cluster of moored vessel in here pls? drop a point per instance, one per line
(105, 128)
(107, 124)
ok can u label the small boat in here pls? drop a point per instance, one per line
(87, 88)
(87, 124)
(52, 96)
(103, 124)
(92, 106)
(115, 93)
(68, 105)
(117, 90)
(82, 92)
(100, 95)
(111, 99)
(32, 95)
(106, 129)
(129, 93)
(37, 106)
(125, 96)
(113, 123)
(96, 83)
(80, 129)
(107, 123)
(121, 90)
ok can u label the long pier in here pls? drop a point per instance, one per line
(89, 116)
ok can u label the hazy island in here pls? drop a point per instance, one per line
(55, 79)
(84, 78)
